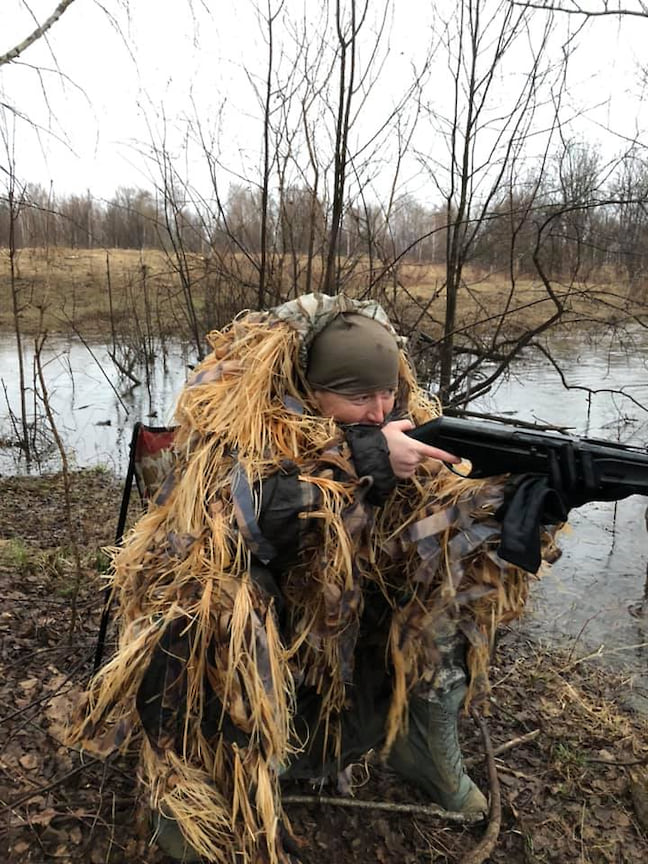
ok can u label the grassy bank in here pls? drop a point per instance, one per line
(95, 292)
(572, 775)
(91, 290)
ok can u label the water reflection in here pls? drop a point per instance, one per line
(608, 395)
(94, 411)
(594, 594)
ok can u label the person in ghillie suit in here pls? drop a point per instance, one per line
(309, 583)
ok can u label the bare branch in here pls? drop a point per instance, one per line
(37, 33)
(577, 9)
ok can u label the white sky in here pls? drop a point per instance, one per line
(98, 85)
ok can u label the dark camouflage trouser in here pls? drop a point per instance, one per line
(363, 723)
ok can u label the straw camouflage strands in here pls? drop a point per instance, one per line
(201, 666)
(442, 555)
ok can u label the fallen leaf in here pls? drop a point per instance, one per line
(76, 835)
(622, 820)
(58, 710)
(97, 855)
(639, 792)
(605, 756)
(43, 817)
(57, 680)
(29, 761)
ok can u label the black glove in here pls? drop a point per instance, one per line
(529, 502)
(370, 455)
(534, 500)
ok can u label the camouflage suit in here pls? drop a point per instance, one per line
(287, 603)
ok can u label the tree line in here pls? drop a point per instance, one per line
(578, 223)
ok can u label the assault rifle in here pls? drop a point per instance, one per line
(557, 471)
(588, 465)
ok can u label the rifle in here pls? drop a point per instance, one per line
(589, 465)
(558, 472)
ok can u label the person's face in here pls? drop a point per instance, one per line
(364, 408)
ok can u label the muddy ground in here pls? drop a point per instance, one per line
(575, 788)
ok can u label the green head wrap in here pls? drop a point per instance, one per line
(353, 354)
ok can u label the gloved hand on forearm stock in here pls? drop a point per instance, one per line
(529, 503)
(534, 500)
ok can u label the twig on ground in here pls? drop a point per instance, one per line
(507, 745)
(45, 696)
(486, 845)
(578, 636)
(412, 809)
(506, 712)
(616, 762)
(506, 769)
(48, 787)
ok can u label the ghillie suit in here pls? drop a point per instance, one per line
(275, 566)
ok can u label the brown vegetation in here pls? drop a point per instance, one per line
(574, 783)
(73, 288)
(92, 291)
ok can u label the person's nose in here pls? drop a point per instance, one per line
(375, 411)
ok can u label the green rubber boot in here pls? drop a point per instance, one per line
(169, 838)
(429, 756)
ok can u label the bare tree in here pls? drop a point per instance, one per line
(628, 228)
(347, 34)
(485, 142)
(270, 18)
(305, 211)
(15, 198)
(572, 7)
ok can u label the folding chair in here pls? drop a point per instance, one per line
(149, 461)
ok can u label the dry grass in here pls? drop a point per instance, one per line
(70, 287)
(487, 299)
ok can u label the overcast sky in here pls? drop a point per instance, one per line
(98, 87)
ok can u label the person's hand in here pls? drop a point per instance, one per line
(406, 454)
